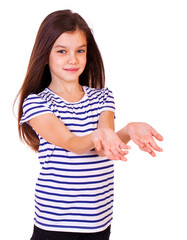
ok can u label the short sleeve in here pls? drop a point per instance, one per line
(107, 102)
(34, 106)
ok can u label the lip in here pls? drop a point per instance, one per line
(71, 69)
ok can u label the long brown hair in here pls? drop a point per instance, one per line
(38, 75)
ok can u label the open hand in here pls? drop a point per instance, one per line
(143, 135)
(108, 144)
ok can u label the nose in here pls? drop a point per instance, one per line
(72, 58)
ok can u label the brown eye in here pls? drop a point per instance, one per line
(62, 51)
(81, 51)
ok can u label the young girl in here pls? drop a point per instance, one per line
(67, 115)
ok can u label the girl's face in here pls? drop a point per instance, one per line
(67, 58)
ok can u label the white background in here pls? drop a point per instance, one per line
(144, 48)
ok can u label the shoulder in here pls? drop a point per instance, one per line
(36, 98)
(102, 97)
(36, 101)
(100, 93)
(34, 105)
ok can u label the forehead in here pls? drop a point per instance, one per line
(76, 38)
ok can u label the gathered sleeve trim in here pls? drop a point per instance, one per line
(107, 102)
(34, 106)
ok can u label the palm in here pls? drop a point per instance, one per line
(142, 134)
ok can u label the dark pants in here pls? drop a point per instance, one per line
(40, 234)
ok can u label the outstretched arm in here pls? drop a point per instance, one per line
(53, 130)
(142, 134)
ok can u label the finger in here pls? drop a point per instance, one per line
(139, 143)
(124, 146)
(114, 151)
(118, 153)
(122, 154)
(114, 155)
(154, 145)
(148, 149)
(151, 152)
(158, 136)
(110, 155)
(124, 159)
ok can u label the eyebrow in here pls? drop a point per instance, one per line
(61, 46)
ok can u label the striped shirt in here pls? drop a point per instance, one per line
(74, 193)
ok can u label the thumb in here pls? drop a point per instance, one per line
(97, 144)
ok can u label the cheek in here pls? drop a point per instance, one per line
(84, 61)
(55, 62)
(51, 62)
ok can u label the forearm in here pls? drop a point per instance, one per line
(53, 130)
(80, 145)
(123, 134)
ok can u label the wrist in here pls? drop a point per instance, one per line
(84, 143)
(126, 131)
(123, 134)
(130, 128)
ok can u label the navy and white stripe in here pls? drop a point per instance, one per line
(74, 193)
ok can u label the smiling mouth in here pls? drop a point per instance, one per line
(71, 69)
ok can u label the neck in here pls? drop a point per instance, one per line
(71, 92)
(66, 88)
